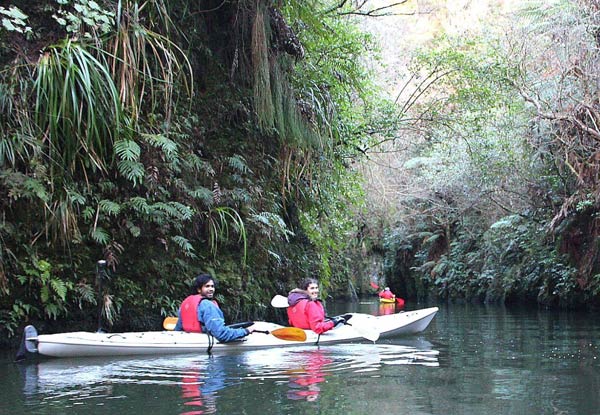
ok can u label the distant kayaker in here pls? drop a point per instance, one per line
(387, 294)
(200, 313)
(306, 311)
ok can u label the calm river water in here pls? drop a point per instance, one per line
(471, 360)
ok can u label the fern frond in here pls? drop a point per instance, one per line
(175, 210)
(202, 194)
(59, 287)
(127, 150)
(132, 170)
(75, 197)
(109, 207)
(100, 236)
(139, 204)
(272, 225)
(184, 244)
(239, 164)
(168, 146)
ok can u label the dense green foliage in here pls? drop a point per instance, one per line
(170, 138)
(223, 147)
(506, 163)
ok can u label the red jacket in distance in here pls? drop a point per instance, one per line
(387, 294)
(307, 314)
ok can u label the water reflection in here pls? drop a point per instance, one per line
(475, 360)
(303, 369)
(200, 380)
(200, 384)
(304, 382)
(387, 308)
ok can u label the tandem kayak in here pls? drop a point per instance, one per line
(79, 344)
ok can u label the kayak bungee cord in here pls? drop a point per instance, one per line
(211, 341)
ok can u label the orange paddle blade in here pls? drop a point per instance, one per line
(290, 333)
(169, 323)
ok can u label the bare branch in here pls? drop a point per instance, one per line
(558, 116)
(378, 12)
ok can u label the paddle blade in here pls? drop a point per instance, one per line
(279, 301)
(373, 285)
(364, 327)
(290, 333)
(399, 302)
(368, 333)
(169, 323)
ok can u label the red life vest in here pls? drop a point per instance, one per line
(300, 315)
(297, 315)
(189, 313)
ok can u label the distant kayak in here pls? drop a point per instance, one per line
(359, 327)
(387, 300)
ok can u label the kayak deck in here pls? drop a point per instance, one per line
(77, 344)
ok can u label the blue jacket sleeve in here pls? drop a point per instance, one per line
(212, 319)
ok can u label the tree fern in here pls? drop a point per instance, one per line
(85, 293)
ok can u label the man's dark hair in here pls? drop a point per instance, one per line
(200, 281)
(307, 281)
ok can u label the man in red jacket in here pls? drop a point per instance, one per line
(306, 311)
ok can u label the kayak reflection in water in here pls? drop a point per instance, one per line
(200, 385)
(387, 309)
(304, 382)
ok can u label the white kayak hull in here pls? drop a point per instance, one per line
(78, 344)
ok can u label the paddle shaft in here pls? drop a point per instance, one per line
(283, 333)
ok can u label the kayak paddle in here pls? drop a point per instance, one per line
(169, 323)
(284, 333)
(363, 327)
(279, 301)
